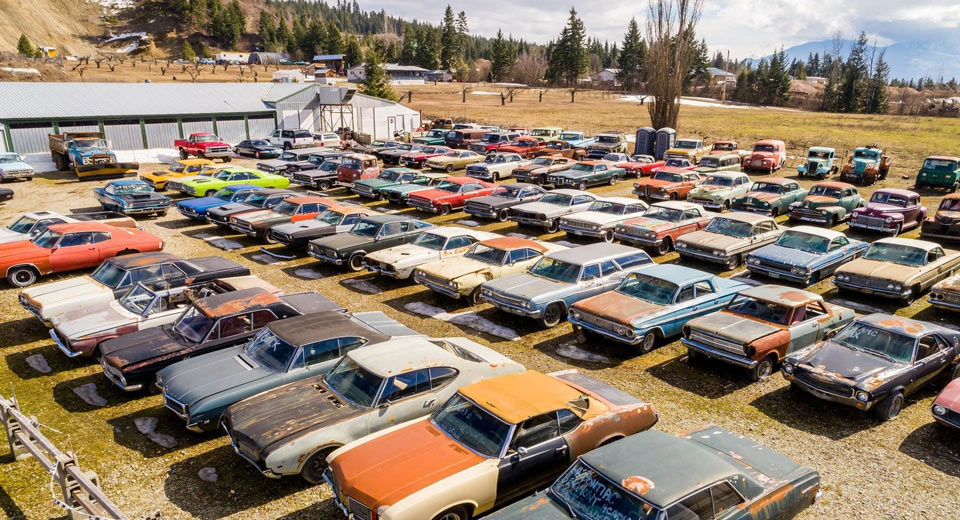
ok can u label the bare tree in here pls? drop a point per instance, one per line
(111, 66)
(193, 75)
(80, 71)
(671, 50)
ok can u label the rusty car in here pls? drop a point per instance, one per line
(867, 165)
(497, 205)
(718, 191)
(898, 268)
(827, 203)
(727, 239)
(770, 196)
(546, 211)
(436, 243)
(668, 183)
(945, 223)
(537, 170)
(946, 407)
(661, 225)
(603, 215)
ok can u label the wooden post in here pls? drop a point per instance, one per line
(12, 427)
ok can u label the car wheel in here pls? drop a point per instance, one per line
(890, 407)
(774, 212)
(613, 180)
(496, 176)
(551, 315)
(726, 205)
(733, 262)
(763, 369)
(582, 186)
(503, 215)
(553, 226)
(210, 193)
(608, 236)
(268, 237)
(673, 196)
(449, 168)
(162, 213)
(648, 342)
(896, 230)
(445, 210)
(475, 297)
(665, 246)
(454, 513)
(256, 155)
(356, 262)
(22, 276)
(914, 294)
(313, 469)
(693, 356)
(834, 220)
(286, 146)
(183, 153)
(323, 185)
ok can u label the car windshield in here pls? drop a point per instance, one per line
(592, 496)
(225, 194)
(570, 137)
(389, 175)
(405, 147)
(178, 167)
(452, 153)
(421, 180)
(22, 225)
(950, 205)
(222, 175)
(90, 143)
(109, 274)
(431, 241)
(729, 227)
(353, 382)
(648, 288)
(668, 177)
(580, 167)
(286, 208)
(288, 156)
(330, 217)
(607, 139)
(556, 198)
(826, 191)
(611, 208)
(205, 138)
(193, 325)
(138, 187)
(350, 163)
(709, 162)
(893, 199)
(723, 147)
(452, 187)
(766, 311)
(763, 148)
(556, 270)
(866, 154)
(509, 192)
(677, 163)
(9, 158)
(661, 213)
(365, 228)
(539, 132)
(256, 199)
(766, 187)
(862, 336)
(685, 144)
(269, 350)
(47, 239)
(819, 155)
(542, 161)
(486, 254)
(137, 299)
(490, 138)
(940, 165)
(329, 166)
(719, 181)
(803, 241)
(472, 426)
(259, 142)
(896, 253)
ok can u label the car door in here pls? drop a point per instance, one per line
(107, 247)
(75, 251)
(932, 358)
(939, 265)
(457, 246)
(393, 233)
(406, 396)
(537, 454)
(805, 327)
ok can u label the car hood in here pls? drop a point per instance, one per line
(816, 201)
(710, 190)
(73, 293)
(540, 506)
(657, 183)
(139, 197)
(879, 270)
(200, 202)
(210, 374)
(543, 207)
(492, 201)
(842, 364)
(9, 235)
(876, 208)
(233, 207)
(950, 396)
(374, 183)
(526, 286)
(788, 256)
(764, 196)
(139, 346)
(619, 307)
(405, 254)
(407, 188)
(15, 166)
(21, 250)
(306, 227)
(714, 240)
(950, 215)
(260, 215)
(733, 327)
(761, 155)
(594, 217)
(433, 194)
(274, 163)
(78, 323)
(343, 241)
(652, 224)
(87, 152)
(451, 270)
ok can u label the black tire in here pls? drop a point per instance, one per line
(552, 316)
(648, 342)
(834, 220)
(445, 210)
(764, 369)
(553, 226)
(313, 469)
(227, 159)
(733, 262)
(23, 276)
(449, 168)
(162, 214)
(268, 237)
(286, 146)
(726, 205)
(912, 297)
(496, 176)
(454, 513)
(503, 215)
(474, 297)
(183, 154)
(898, 229)
(608, 236)
(889, 408)
(665, 246)
(325, 185)
(582, 186)
(356, 262)
(774, 212)
(613, 180)
(210, 193)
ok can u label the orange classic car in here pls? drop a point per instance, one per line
(68, 247)
(669, 183)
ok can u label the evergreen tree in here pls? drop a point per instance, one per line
(334, 42)
(631, 57)
(200, 49)
(267, 31)
(24, 47)
(187, 52)
(448, 39)
(352, 54)
(575, 53)
(408, 50)
(812, 67)
(853, 82)
(375, 82)
(502, 57)
(776, 80)
(701, 60)
(718, 61)
(877, 102)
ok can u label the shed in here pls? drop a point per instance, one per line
(331, 61)
(398, 74)
(444, 75)
(267, 58)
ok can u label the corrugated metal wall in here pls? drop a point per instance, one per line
(261, 127)
(192, 127)
(71, 126)
(3, 141)
(231, 130)
(123, 136)
(161, 133)
(31, 140)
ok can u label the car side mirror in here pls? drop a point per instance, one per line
(384, 405)
(522, 451)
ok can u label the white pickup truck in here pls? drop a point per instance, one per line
(32, 224)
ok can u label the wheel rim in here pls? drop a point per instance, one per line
(356, 262)
(663, 248)
(582, 186)
(733, 263)
(23, 277)
(608, 236)
(324, 186)
(503, 215)
(895, 406)
(449, 516)
(553, 226)
(551, 315)
(648, 341)
(764, 370)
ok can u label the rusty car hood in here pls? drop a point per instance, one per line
(78, 323)
(713, 240)
(451, 270)
(618, 307)
(140, 346)
(653, 224)
(834, 362)
(736, 328)
(880, 270)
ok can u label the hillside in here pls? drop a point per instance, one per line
(71, 25)
(907, 59)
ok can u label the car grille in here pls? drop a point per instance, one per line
(242, 225)
(604, 324)
(526, 215)
(220, 219)
(633, 231)
(190, 212)
(217, 149)
(394, 196)
(812, 167)
(31, 308)
(302, 179)
(807, 212)
(476, 207)
(281, 237)
(823, 386)
(774, 265)
(579, 225)
(865, 281)
(420, 202)
(695, 248)
(952, 417)
(174, 405)
(144, 204)
(509, 300)
(175, 185)
(947, 297)
(716, 342)
(431, 279)
(16, 173)
(363, 190)
(871, 221)
(359, 511)
(245, 445)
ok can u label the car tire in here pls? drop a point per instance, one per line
(552, 316)
(444, 210)
(693, 357)
(226, 159)
(496, 176)
(764, 369)
(582, 186)
(449, 168)
(648, 342)
(323, 185)
(314, 467)
(162, 214)
(23, 276)
(268, 238)
(834, 220)
(898, 229)
(210, 193)
(774, 212)
(553, 226)
(286, 146)
(666, 245)
(474, 297)
(503, 215)
(912, 297)
(608, 236)
(454, 513)
(613, 180)
(726, 205)
(889, 408)
(256, 155)
(733, 262)
(183, 154)
(356, 262)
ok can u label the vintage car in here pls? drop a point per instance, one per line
(615, 158)
(768, 155)
(80, 331)
(575, 138)
(116, 275)
(946, 407)
(497, 205)
(200, 389)
(196, 209)
(875, 362)
(587, 173)
(763, 325)
(208, 186)
(562, 278)
(69, 247)
(900, 268)
(547, 133)
(294, 160)
(131, 197)
(257, 148)
(416, 159)
(820, 163)
(449, 195)
(725, 476)
(462, 277)
(356, 166)
(675, 162)
(602, 217)
(424, 181)
(392, 156)
(322, 176)
(212, 323)
(369, 234)
(369, 389)
(540, 168)
(436, 243)
(262, 199)
(641, 165)
(687, 147)
(945, 295)
(719, 190)
(668, 183)
(867, 165)
(177, 170)
(561, 148)
(257, 223)
(5, 195)
(827, 203)
(496, 166)
(431, 137)
(611, 141)
(718, 162)
(662, 224)
(333, 220)
(12, 167)
(370, 188)
(770, 196)
(492, 442)
(945, 223)
(32, 223)
(939, 171)
(890, 210)
(805, 255)
(727, 239)
(546, 211)
(525, 146)
(728, 146)
(452, 160)
(652, 305)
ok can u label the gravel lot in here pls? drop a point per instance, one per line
(908, 468)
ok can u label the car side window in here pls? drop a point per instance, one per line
(704, 288)
(582, 199)
(934, 254)
(440, 376)
(194, 168)
(590, 272)
(262, 317)
(686, 293)
(691, 214)
(100, 236)
(927, 346)
(607, 268)
(407, 384)
(633, 260)
(351, 343)
(536, 430)
(231, 326)
(149, 273)
(171, 272)
(458, 242)
(392, 228)
(815, 310)
(75, 239)
(568, 421)
(724, 498)
(698, 506)
(516, 255)
(321, 351)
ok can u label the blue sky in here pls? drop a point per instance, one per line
(748, 28)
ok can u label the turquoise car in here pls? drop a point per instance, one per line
(821, 161)
(371, 188)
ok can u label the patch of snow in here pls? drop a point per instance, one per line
(565, 243)
(223, 243)
(264, 258)
(571, 351)
(132, 46)
(21, 70)
(857, 306)
(467, 319)
(208, 474)
(38, 363)
(519, 235)
(509, 84)
(307, 273)
(88, 393)
(124, 36)
(468, 223)
(148, 427)
(484, 93)
(362, 286)
(703, 102)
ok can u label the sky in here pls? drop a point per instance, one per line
(747, 28)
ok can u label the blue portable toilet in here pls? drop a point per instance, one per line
(646, 141)
(665, 139)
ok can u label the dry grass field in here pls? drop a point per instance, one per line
(904, 469)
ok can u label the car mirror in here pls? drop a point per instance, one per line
(384, 405)
(522, 451)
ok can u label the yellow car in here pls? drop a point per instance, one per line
(177, 169)
(547, 133)
(453, 160)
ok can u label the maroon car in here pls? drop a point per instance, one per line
(946, 407)
(890, 210)
(449, 195)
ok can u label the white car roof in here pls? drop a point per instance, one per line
(390, 357)
(818, 231)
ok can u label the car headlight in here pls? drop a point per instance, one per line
(787, 368)
(939, 410)
(527, 305)
(888, 220)
(681, 245)
(842, 277)
(630, 333)
(621, 330)
(863, 396)
(649, 234)
(898, 287)
(575, 315)
(753, 261)
(159, 381)
(717, 252)
(798, 270)
(824, 212)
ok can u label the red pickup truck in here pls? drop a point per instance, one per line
(527, 147)
(204, 145)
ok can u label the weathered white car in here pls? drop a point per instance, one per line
(291, 429)
(602, 217)
(496, 166)
(436, 244)
(720, 190)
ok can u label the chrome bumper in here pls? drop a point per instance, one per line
(719, 354)
(888, 293)
(633, 239)
(635, 340)
(703, 256)
(593, 233)
(511, 308)
(63, 348)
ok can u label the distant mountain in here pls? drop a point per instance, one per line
(908, 59)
